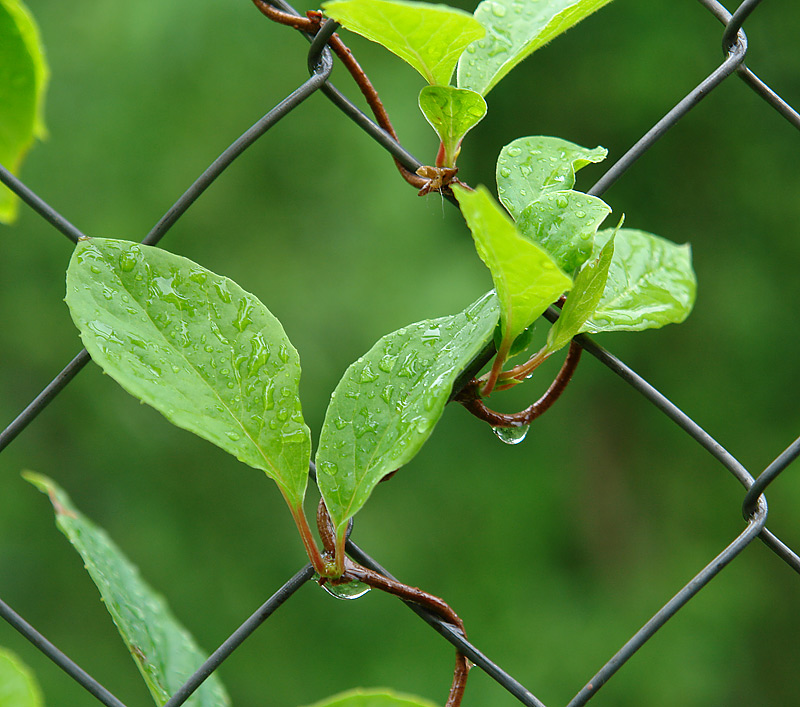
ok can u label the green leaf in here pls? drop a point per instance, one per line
(198, 348)
(452, 113)
(532, 166)
(564, 223)
(162, 649)
(429, 37)
(582, 300)
(18, 686)
(650, 283)
(388, 402)
(514, 30)
(23, 79)
(373, 698)
(526, 278)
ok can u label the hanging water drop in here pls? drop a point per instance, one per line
(351, 590)
(511, 435)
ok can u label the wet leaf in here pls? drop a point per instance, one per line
(564, 223)
(430, 37)
(161, 647)
(526, 278)
(18, 686)
(23, 79)
(583, 298)
(452, 113)
(514, 30)
(206, 354)
(532, 166)
(650, 283)
(388, 402)
(373, 698)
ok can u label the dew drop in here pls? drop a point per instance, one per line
(127, 261)
(505, 172)
(511, 435)
(233, 437)
(514, 151)
(351, 590)
(498, 10)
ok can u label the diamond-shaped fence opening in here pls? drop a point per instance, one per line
(725, 520)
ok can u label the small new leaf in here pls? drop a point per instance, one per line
(373, 698)
(203, 352)
(564, 223)
(526, 278)
(18, 686)
(582, 300)
(452, 113)
(23, 80)
(532, 166)
(387, 403)
(429, 37)
(163, 650)
(514, 30)
(650, 283)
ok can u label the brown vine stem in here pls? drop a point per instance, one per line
(311, 24)
(354, 572)
(470, 398)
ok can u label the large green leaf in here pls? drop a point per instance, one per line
(18, 686)
(526, 278)
(564, 223)
(583, 298)
(532, 166)
(373, 698)
(163, 650)
(429, 37)
(514, 30)
(452, 113)
(388, 401)
(198, 348)
(650, 283)
(23, 79)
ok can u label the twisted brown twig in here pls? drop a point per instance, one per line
(354, 572)
(426, 179)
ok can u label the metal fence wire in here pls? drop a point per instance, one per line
(754, 505)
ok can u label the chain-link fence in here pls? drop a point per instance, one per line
(754, 506)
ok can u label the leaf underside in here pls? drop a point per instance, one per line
(162, 649)
(429, 37)
(198, 348)
(514, 30)
(23, 80)
(650, 283)
(387, 403)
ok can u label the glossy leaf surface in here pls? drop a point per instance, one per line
(23, 79)
(451, 112)
(18, 686)
(388, 402)
(198, 348)
(373, 698)
(526, 278)
(564, 223)
(514, 30)
(650, 283)
(430, 37)
(582, 301)
(532, 166)
(161, 647)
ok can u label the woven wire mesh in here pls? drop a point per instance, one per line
(755, 481)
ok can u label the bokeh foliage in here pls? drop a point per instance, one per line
(554, 551)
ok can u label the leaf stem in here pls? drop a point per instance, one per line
(307, 537)
(497, 367)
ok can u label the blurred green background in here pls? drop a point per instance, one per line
(555, 551)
